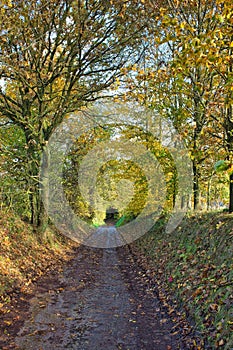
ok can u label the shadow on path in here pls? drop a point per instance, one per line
(96, 305)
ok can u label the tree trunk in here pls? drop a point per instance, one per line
(43, 196)
(33, 206)
(209, 187)
(39, 217)
(37, 173)
(231, 195)
(208, 194)
(195, 186)
(229, 130)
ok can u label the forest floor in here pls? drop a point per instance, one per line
(100, 299)
(161, 292)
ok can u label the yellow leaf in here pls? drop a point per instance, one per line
(8, 322)
(124, 70)
(182, 25)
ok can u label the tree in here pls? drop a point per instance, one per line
(80, 149)
(204, 57)
(182, 85)
(223, 64)
(13, 191)
(126, 180)
(55, 56)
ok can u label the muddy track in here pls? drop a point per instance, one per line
(96, 302)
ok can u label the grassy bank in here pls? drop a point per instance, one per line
(193, 265)
(23, 258)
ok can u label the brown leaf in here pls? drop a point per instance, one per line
(221, 342)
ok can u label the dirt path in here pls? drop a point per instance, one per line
(97, 302)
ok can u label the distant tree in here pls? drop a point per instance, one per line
(121, 183)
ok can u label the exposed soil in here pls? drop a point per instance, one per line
(97, 301)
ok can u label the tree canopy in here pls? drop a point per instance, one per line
(54, 58)
(59, 57)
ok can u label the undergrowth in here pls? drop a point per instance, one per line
(23, 257)
(193, 264)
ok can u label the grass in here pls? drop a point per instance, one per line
(194, 265)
